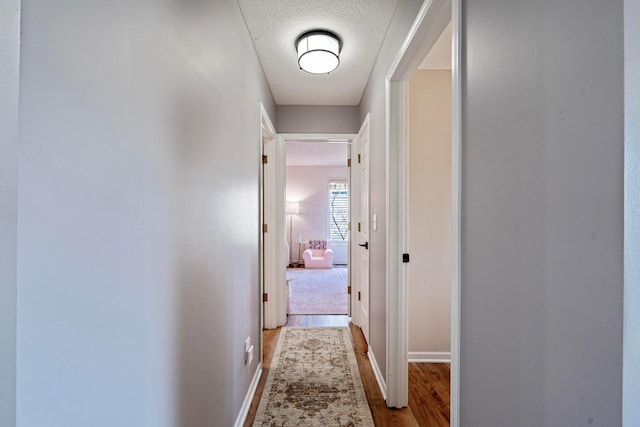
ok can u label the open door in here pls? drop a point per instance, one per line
(361, 230)
(273, 289)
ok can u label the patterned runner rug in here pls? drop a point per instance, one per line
(314, 381)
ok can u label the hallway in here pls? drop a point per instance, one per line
(428, 394)
(129, 195)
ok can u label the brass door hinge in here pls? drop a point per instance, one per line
(358, 226)
(358, 158)
(349, 290)
(348, 163)
(265, 228)
(349, 226)
(358, 296)
(265, 160)
(265, 297)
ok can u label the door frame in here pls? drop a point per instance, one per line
(427, 27)
(325, 137)
(269, 275)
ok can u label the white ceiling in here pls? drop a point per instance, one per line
(275, 25)
(439, 57)
(306, 153)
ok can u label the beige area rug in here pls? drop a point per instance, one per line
(314, 381)
(318, 291)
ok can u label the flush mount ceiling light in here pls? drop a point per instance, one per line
(318, 51)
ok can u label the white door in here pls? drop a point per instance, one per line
(273, 229)
(269, 237)
(362, 230)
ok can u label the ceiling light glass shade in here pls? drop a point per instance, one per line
(318, 52)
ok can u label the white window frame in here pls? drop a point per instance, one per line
(346, 183)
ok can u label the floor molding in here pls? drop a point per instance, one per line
(378, 374)
(244, 409)
(429, 357)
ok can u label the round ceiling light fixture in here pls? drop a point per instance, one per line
(318, 51)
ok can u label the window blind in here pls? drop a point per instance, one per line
(338, 211)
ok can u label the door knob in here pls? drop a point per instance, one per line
(364, 245)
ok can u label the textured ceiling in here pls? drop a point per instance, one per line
(275, 25)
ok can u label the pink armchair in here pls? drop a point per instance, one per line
(318, 254)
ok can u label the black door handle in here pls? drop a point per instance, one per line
(364, 245)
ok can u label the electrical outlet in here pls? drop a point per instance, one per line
(247, 347)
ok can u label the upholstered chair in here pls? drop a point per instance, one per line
(318, 254)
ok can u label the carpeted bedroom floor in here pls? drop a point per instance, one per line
(318, 291)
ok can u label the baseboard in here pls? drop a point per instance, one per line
(429, 357)
(244, 409)
(376, 372)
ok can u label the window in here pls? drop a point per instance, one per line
(338, 211)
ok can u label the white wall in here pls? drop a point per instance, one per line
(138, 188)
(317, 119)
(429, 235)
(373, 102)
(542, 219)
(631, 390)
(308, 185)
(9, 84)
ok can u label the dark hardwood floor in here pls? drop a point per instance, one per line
(382, 416)
(428, 382)
(429, 393)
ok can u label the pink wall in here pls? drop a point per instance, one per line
(308, 186)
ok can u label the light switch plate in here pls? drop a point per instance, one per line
(250, 355)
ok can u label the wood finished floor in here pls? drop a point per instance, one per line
(428, 382)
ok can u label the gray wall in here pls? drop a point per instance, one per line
(317, 119)
(138, 202)
(9, 83)
(542, 225)
(130, 259)
(631, 346)
(373, 102)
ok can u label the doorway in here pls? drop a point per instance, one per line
(317, 194)
(429, 219)
(427, 28)
(271, 251)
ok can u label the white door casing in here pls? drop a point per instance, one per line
(271, 228)
(268, 215)
(427, 27)
(275, 308)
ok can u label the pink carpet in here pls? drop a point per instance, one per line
(318, 291)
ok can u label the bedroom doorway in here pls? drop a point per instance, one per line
(429, 220)
(317, 194)
(428, 26)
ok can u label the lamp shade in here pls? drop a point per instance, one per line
(318, 51)
(293, 208)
